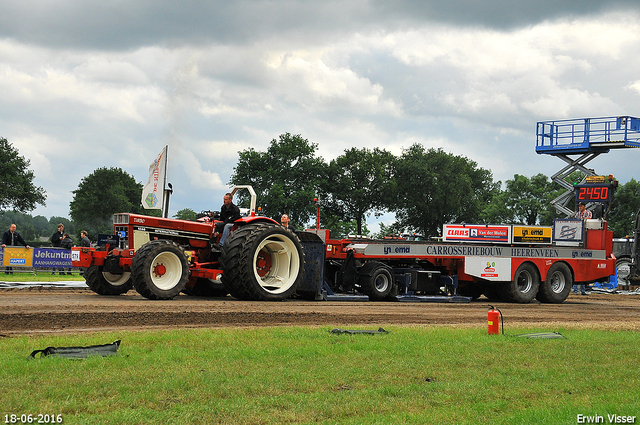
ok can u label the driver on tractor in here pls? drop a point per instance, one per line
(229, 212)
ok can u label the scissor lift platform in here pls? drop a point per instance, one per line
(587, 135)
(578, 141)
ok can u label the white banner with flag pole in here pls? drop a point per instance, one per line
(153, 191)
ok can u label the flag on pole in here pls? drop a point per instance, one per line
(153, 191)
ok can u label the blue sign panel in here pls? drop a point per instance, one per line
(51, 257)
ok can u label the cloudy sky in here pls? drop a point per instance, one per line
(86, 84)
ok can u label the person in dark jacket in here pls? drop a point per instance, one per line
(12, 238)
(84, 242)
(57, 236)
(66, 243)
(56, 240)
(229, 212)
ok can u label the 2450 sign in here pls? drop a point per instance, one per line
(594, 192)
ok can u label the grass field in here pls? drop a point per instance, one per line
(431, 374)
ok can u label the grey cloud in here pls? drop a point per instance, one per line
(123, 25)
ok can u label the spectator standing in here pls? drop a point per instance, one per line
(57, 236)
(84, 241)
(12, 238)
(66, 243)
(56, 240)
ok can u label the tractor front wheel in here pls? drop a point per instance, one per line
(104, 283)
(160, 270)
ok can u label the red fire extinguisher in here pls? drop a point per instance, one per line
(494, 316)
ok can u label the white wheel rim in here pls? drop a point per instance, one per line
(116, 279)
(166, 270)
(284, 264)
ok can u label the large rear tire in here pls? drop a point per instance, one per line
(525, 284)
(556, 287)
(262, 262)
(160, 270)
(104, 283)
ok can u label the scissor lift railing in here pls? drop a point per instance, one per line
(578, 141)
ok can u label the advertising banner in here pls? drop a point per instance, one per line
(51, 257)
(568, 231)
(532, 234)
(476, 233)
(20, 257)
(489, 268)
(153, 191)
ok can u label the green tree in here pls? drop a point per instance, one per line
(624, 209)
(529, 198)
(357, 184)
(185, 214)
(41, 226)
(22, 221)
(433, 187)
(286, 177)
(496, 211)
(101, 194)
(17, 190)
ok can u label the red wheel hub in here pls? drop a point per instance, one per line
(159, 270)
(263, 263)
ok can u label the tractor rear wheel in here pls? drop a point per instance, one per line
(104, 283)
(262, 262)
(556, 287)
(524, 286)
(160, 270)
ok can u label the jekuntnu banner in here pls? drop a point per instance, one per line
(36, 257)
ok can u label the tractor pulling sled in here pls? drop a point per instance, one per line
(263, 261)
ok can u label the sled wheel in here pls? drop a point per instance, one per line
(524, 286)
(556, 287)
(104, 283)
(623, 271)
(376, 280)
(262, 262)
(160, 270)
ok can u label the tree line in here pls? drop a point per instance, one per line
(423, 188)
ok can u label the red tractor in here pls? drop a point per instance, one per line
(161, 257)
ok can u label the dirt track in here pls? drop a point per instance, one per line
(44, 310)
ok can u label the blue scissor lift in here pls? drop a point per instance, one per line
(578, 141)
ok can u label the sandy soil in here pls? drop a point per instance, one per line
(51, 310)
